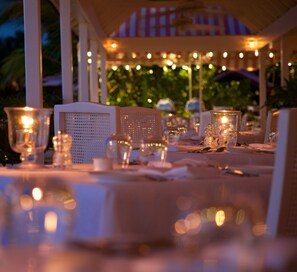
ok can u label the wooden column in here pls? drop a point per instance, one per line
(103, 76)
(33, 53)
(83, 79)
(262, 86)
(66, 51)
(284, 61)
(94, 97)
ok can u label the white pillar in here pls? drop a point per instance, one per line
(83, 79)
(94, 97)
(103, 76)
(33, 54)
(200, 83)
(190, 81)
(284, 61)
(66, 51)
(262, 86)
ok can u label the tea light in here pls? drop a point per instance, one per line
(225, 126)
(102, 164)
(26, 136)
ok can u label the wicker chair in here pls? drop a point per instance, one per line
(282, 211)
(89, 124)
(140, 123)
(271, 124)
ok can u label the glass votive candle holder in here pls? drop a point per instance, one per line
(153, 149)
(119, 148)
(225, 124)
(172, 135)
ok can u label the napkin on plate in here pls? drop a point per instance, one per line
(161, 174)
(195, 162)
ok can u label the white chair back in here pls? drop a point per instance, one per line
(282, 211)
(89, 124)
(271, 124)
(140, 123)
(205, 120)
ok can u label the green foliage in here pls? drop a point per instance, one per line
(235, 93)
(139, 87)
(283, 97)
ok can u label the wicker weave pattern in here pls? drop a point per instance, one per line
(140, 123)
(88, 131)
(282, 212)
(89, 124)
(271, 124)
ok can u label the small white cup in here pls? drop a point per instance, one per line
(102, 164)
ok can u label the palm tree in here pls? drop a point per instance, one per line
(12, 66)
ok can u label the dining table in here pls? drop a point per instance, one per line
(143, 201)
(146, 203)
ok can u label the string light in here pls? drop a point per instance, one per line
(149, 55)
(224, 68)
(209, 54)
(114, 67)
(290, 64)
(169, 62)
(164, 55)
(210, 66)
(134, 55)
(256, 53)
(173, 66)
(113, 45)
(195, 55)
(138, 67)
(241, 55)
(165, 69)
(89, 61)
(225, 55)
(89, 54)
(271, 55)
(197, 66)
(127, 67)
(185, 67)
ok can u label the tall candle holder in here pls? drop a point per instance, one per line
(225, 124)
(28, 131)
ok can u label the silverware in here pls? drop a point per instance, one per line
(238, 172)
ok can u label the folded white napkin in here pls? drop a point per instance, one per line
(194, 162)
(166, 173)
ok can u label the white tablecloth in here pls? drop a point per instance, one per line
(108, 208)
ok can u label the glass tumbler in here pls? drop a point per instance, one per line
(118, 148)
(153, 149)
(39, 211)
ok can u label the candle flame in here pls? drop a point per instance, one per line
(27, 121)
(224, 120)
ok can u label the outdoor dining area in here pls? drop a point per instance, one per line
(146, 189)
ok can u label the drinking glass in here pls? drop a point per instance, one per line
(153, 149)
(200, 228)
(39, 211)
(28, 131)
(118, 148)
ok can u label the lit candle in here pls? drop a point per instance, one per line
(26, 136)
